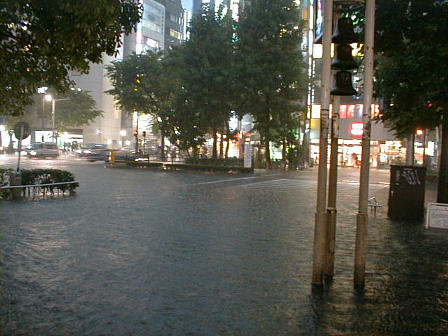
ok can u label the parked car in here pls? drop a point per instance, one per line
(90, 148)
(42, 150)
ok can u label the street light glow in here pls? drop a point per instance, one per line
(48, 97)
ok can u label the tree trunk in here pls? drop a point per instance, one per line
(215, 144)
(221, 146)
(442, 190)
(227, 146)
(267, 152)
(162, 144)
(284, 155)
(410, 150)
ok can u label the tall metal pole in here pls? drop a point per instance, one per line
(19, 148)
(53, 117)
(320, 231)
(362, 217)
(332, 189)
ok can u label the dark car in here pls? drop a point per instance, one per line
(97, 155)
(90, 148)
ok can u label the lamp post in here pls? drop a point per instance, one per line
(49, 98)
(361, 217)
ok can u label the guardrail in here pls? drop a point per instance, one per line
(41, 190)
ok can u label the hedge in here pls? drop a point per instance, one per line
(188, 166)
(44, 176)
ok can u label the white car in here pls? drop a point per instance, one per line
(42, 150)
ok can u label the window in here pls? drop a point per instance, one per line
(176, 34)
(152, 26)
(153, 44)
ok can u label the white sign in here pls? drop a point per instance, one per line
(437, 215)
(247, 155)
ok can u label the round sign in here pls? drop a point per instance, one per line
(21, 130)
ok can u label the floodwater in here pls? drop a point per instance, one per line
(140, 252)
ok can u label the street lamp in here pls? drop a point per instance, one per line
(49, 98)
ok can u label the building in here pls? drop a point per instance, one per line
(174, 22)
(214, 4)
(105, 129)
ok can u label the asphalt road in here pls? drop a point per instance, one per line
(146, 252)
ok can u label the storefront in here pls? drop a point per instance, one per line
(385, 148)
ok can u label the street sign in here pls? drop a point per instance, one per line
(22, 130)
(247, 155)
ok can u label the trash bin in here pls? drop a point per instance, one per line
(407, 192)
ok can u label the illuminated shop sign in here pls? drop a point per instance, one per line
(356, 129)
(354, 111)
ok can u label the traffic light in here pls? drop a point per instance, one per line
(344, 61)
(144, 134)
(135, 132)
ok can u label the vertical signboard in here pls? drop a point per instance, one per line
(319, 18)
(247, 155)
(407, 192)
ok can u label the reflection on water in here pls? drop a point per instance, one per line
(149, 253)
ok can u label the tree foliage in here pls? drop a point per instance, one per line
(270, 66)
(74, 108)
(42, 41)
(207, 77)
(411, 72)
(193, 89)
(136, 82)
(147, 83)
(411, 39)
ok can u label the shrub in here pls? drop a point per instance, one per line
(230, 162)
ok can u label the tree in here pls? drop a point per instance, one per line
(180, 121)
(270, 67)
(411, 39)
(207, 78)
(145, 83)
(135, 82)
(73, 109)
(42, 41)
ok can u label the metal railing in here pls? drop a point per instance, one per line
(41, 190)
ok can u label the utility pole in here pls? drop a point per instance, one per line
(362, 217)
(320, 227)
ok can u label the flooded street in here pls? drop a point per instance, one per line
(140, 252)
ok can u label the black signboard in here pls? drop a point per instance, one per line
(407, 192)
(21, 130)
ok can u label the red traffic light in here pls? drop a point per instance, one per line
(135, 132)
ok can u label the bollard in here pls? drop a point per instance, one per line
(112, 157)
(15, 179)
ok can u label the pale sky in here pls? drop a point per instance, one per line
(188, 4)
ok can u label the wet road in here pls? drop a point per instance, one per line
(139, 252)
